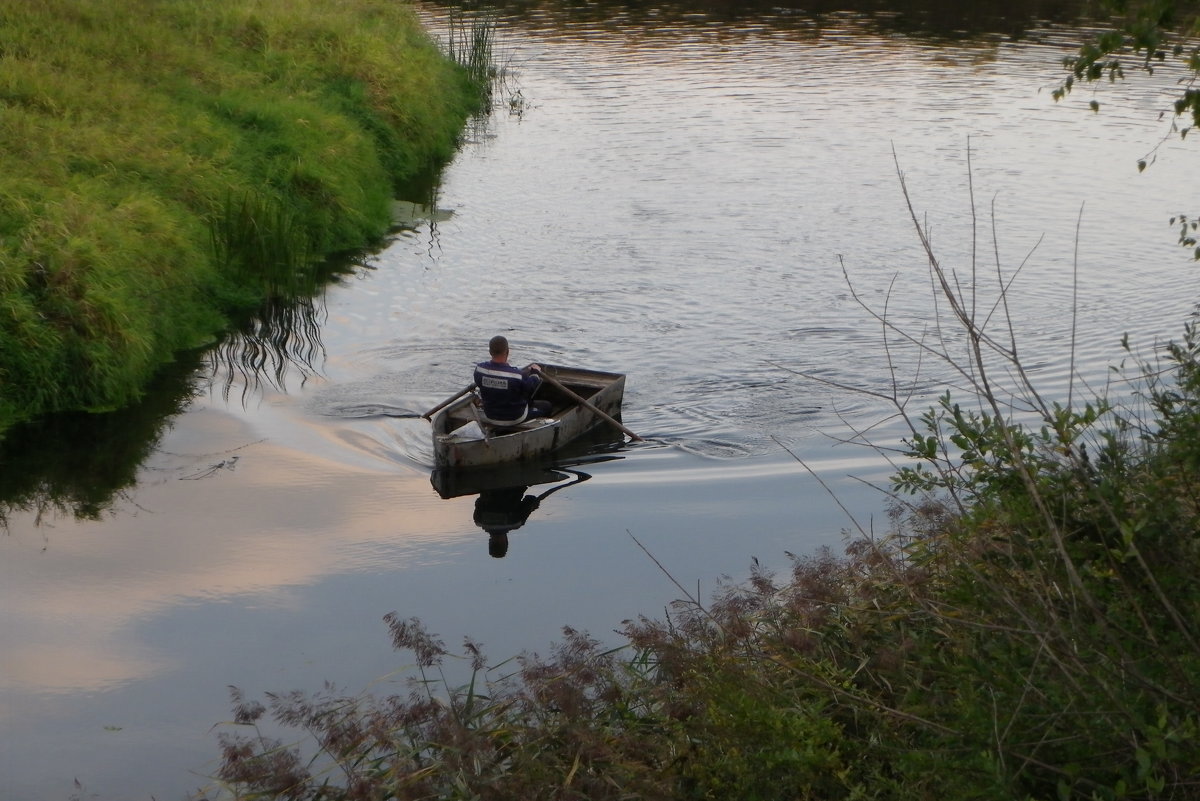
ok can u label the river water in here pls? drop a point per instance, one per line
(692, 195)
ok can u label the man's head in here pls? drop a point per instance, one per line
(498, 346)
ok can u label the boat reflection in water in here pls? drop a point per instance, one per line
(505, 499)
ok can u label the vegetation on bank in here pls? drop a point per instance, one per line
(165, 163)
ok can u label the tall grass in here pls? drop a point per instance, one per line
(263, 241)
(1025, 629)
(135, 136)
(471, 41)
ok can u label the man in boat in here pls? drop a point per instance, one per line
(506, 391)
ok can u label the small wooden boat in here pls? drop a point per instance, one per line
(462, 439)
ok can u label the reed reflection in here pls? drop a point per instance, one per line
(421, 209)
(283, 338)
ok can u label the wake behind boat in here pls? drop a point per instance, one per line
(580, 400)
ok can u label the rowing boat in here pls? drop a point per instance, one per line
(461, 438)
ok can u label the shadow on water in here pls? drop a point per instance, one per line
(78, 464)
(936, 19)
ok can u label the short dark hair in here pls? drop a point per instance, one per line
(498, 345)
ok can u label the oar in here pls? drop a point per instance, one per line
(446, 403)
(487, 439)
(585, 402)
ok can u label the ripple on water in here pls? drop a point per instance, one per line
(683, 200)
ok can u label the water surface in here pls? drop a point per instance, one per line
(677, 193)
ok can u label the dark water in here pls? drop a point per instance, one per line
(676, 192)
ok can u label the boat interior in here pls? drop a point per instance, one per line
(467, 411)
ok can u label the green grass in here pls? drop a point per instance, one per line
(154, 152)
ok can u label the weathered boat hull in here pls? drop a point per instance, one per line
(453, 448)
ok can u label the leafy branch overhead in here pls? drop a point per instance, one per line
(1144, 35)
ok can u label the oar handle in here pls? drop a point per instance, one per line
(445, 403)
(487, 438)
(588, 404)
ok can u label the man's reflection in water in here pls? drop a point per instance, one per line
(499, 511)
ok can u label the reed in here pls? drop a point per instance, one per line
(470, 43)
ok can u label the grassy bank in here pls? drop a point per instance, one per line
(1026, 629)
(166, 162)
